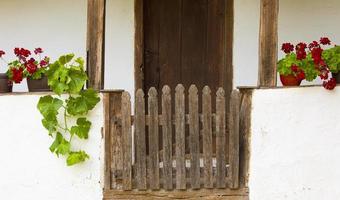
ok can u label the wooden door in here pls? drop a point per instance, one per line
(185, 41)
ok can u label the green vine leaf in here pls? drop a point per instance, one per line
(67, 75)
(50, 125)
(81, 105)
(82, 129)
(66, 58)
(49, 106)
(76, 157)
(60, 145)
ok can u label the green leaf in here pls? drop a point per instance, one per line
(50, 125)
(49, 106)
(58, 77)
(76, 157)
(60, 145)
(81, 105)
(77, 80)
(66, 58)
(83, 128)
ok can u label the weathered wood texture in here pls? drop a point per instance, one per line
(234, 145)
(139, 44)
(203, 194)
(95, 43)
(184, 41)
(220, 139)
(245, 124)
(127, 141)
(113, 138)
(163, 163)
(268, 43)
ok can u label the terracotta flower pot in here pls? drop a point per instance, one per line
(39, 85)
(5, 87)
(290, 80)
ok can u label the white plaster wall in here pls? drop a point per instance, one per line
(295, 144)
(29, 171)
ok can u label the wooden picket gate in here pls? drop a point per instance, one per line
(165, 148)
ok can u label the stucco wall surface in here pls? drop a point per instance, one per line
(29, 171)
(295, 144)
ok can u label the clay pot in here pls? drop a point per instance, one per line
(5, 86)
(290, 80)
(39, 85)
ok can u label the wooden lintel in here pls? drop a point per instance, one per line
(268, 43)
(95, 49)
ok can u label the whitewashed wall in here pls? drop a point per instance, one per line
(28, 169)
(295, 144)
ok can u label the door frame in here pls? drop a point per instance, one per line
(227, 81)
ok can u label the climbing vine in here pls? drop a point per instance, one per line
(65, 114)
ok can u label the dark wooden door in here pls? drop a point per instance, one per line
(188, 42)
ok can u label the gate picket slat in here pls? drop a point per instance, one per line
(207, 138)
(140, 140)
(194, 137)
(153, 164)
(220, 139)
(127, 141)
(234, 122)
(167, 138)
(180, 137)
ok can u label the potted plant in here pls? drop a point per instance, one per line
(304, 62)
(27, 66)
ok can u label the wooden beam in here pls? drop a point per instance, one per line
(95, 49)
(139, 44)
(208, 194)
(268, 43)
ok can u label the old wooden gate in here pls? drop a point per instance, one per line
(137, 157)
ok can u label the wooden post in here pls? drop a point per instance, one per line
(112, 137)
(95, 49)
(268, 43)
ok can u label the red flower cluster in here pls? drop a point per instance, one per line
(299, 73)
(287, 48)
(325, 41)
(38, 50)
(330, 84)
(22, 53)
(31, 66)
(17, 74)
(301, 51)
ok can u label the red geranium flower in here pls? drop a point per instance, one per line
(301, 54)
(316, 55)
(287, 47)
(21, 52)
(31, 66)
(329, 85)
(17, 75)
(325, 41)
(2, 53)
(301, 46)
(294, 68)
(38, 50)
(313, 45)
